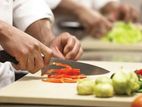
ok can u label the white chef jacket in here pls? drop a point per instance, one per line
(89, 3)
(21, 14)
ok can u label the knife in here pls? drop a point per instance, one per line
(4, 56)
(85, 68)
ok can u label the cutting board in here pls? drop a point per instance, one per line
(89, 43)
(31, 90)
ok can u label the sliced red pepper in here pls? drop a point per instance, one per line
(67, 74)
(75, 71)
(59, 76)
(69, 80)
(61, 80)
(55, 80)
(81, 76)
(67, 71)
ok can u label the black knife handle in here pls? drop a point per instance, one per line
(4, 56)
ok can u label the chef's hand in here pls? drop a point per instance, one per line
(95, 24)
(125, 12)
(66, 46)
(27, 50)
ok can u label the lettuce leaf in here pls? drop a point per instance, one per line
(124, 33)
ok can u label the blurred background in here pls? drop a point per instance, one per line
(97, 49)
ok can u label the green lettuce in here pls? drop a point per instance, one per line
(124, 33)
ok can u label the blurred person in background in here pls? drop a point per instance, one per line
(115, 11)
(96, 16)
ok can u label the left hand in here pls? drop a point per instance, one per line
(127, 13)
(124, 12)
(66, 46)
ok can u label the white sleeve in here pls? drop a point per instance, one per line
(7, 74)
(53, 3)
(98, 4)
(25, 12)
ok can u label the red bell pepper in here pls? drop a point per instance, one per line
(66, 74)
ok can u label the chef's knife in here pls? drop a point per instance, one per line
(4, 56)
(87, 69)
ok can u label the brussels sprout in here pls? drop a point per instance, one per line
(125, 83)
(85, 87)
(120, 82)
(103, 80)
(103, 90)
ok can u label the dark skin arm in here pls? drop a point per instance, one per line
(41, 30)
(26, 49)
(64, 46)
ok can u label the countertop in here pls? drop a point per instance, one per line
(31, 90)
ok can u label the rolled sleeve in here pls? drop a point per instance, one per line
(26, 12)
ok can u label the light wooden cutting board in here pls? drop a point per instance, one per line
(31, 90)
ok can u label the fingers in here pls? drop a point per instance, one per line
(79, 54)
(101, 28)
(70, 44)
(66, 46)
(74, 50)
(47, 54)
(39, 59)
(134, 15)
(128, 13)
(22, 58)
(57, 53)
(38, 62)
(35, 60)
(30, 64)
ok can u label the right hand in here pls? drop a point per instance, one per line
(95, 24)
(27, 50)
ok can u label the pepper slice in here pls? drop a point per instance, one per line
(63, 75)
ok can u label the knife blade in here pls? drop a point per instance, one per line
(85, 68)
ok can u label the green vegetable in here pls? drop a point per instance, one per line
(103, 79)
(85, 87)
(103, 90)
(124, 33)
(125, 83)
(103, 87)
